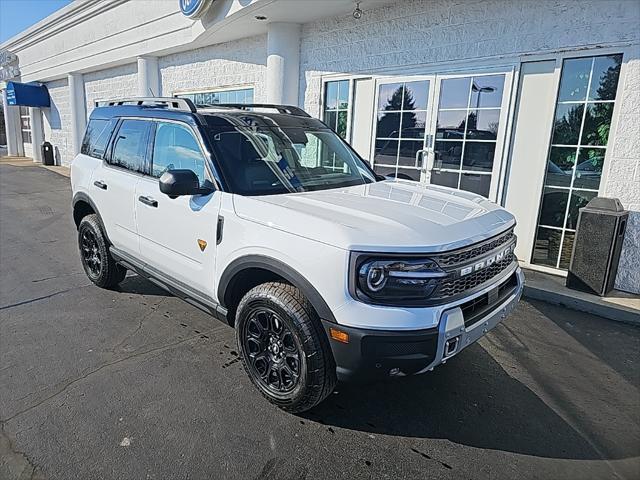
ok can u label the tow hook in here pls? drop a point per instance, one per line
(451, 346)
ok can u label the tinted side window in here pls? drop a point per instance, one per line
(96, 137)
(130, 145)
(176, 147)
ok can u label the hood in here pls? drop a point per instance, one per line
(388, 216)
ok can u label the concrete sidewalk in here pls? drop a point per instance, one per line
(619, 306)
(29, 162)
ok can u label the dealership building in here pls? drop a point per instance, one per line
(533, 104)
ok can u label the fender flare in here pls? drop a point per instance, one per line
(83, 197)
(281, 269)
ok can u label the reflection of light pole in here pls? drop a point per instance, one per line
(480, 90)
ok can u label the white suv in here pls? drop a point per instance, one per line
(265, 218)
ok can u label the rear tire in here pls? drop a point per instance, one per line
(283, 347)
(97, 262)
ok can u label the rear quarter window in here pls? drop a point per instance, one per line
(97, 137)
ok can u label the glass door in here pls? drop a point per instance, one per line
(444, 129)
(469, 132)
(402, 107)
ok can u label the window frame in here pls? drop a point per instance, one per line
(230, 88)
(337, 109)
(23, 130)
(560, 59)
(323, 92)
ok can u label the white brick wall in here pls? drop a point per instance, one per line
(57, 121)
(423, 32)
(240, 63)
(118, 82)
(623, 179)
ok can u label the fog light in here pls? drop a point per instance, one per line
(339, 335)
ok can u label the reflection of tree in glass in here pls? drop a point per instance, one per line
(597, 123)
(609, 80)
(567, 127)
(396, 102)
(341, 128)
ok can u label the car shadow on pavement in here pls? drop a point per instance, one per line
(134, 283)
(470, 401)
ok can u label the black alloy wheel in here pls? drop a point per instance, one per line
(271, 350)
(90, 252)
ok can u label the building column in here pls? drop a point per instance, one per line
(283, 63)
(78, 110)
(37, 133)
(15, 148)
(149, 77)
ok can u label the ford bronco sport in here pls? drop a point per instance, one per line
(265, 218)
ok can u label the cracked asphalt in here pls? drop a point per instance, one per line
(136, 384)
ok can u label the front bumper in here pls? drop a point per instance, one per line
(372, 354)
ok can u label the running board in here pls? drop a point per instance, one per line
(171, 285)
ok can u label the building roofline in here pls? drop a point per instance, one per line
(76, 12)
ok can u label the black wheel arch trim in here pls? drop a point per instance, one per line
(83, 197)
(281, 269)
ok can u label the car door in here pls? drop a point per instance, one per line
(114, 181)
(178, 235)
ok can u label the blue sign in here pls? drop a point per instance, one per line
(28, 94)
(194, 8)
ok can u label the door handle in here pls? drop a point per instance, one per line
(100, 184)
(430, 161)
(148, 201)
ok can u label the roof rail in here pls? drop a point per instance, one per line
(171, 103)
(286, 109)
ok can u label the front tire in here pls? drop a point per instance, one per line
(97, 262)
(283, 348)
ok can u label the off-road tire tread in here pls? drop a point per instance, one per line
(321, 368)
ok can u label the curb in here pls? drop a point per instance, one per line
(619, 313)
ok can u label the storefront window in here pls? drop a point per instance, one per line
(336, 106)
(242, 95)
(579, 140)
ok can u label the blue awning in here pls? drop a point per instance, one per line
(28, 94)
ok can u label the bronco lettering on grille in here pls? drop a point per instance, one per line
(486, 262)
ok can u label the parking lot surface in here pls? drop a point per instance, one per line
(136, 384)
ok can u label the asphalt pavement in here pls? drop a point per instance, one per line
(136, 384)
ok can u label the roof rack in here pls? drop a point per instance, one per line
(286, 109)
(171, 103)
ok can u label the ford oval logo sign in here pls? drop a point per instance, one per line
(194, 8)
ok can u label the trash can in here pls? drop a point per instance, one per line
(47, 154)
(597, 246)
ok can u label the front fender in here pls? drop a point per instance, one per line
(279, 268)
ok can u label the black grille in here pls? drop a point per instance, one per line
(456, 286)
(475, 310)
(469, 253)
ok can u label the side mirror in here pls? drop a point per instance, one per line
(175, 183)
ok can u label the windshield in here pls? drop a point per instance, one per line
(271, 160)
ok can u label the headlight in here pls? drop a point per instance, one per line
(396, 281)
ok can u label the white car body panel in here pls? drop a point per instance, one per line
(389, 216)
(169, 234)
